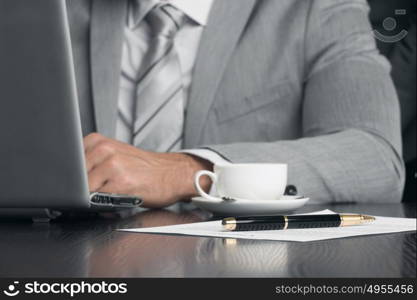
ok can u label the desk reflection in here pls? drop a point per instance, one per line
(92, 247)
(128, 254)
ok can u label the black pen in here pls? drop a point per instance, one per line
(293, 222)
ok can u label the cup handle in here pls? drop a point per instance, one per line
(213, 178)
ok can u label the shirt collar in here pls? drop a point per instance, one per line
(198, 11)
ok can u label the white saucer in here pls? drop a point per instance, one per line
(250, 207)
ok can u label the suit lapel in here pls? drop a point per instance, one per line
(108, 21)
(226, 23)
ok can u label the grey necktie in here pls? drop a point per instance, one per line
(158, 109)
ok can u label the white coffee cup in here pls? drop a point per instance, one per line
(246, 181)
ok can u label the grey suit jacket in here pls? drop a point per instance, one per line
(289, 81)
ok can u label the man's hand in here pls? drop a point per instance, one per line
(160, 179)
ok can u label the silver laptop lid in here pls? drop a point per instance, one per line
(41, 153)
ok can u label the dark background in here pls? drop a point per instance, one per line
(402, 56)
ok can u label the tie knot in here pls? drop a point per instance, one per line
(165, 20)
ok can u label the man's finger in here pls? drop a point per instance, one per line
(112, 187)
(94, 140)
(91, 140)
(99, 175)
(98, 154)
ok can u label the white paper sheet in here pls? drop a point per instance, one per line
(214, 229)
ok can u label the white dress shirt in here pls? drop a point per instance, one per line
(186, 42)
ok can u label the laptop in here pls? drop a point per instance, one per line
(42, 164)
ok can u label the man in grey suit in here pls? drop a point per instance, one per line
(288, 81)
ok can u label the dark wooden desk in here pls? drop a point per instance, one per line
(92, 247)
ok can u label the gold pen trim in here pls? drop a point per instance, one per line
(229, 224)
(350, 220)
(285, 223)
